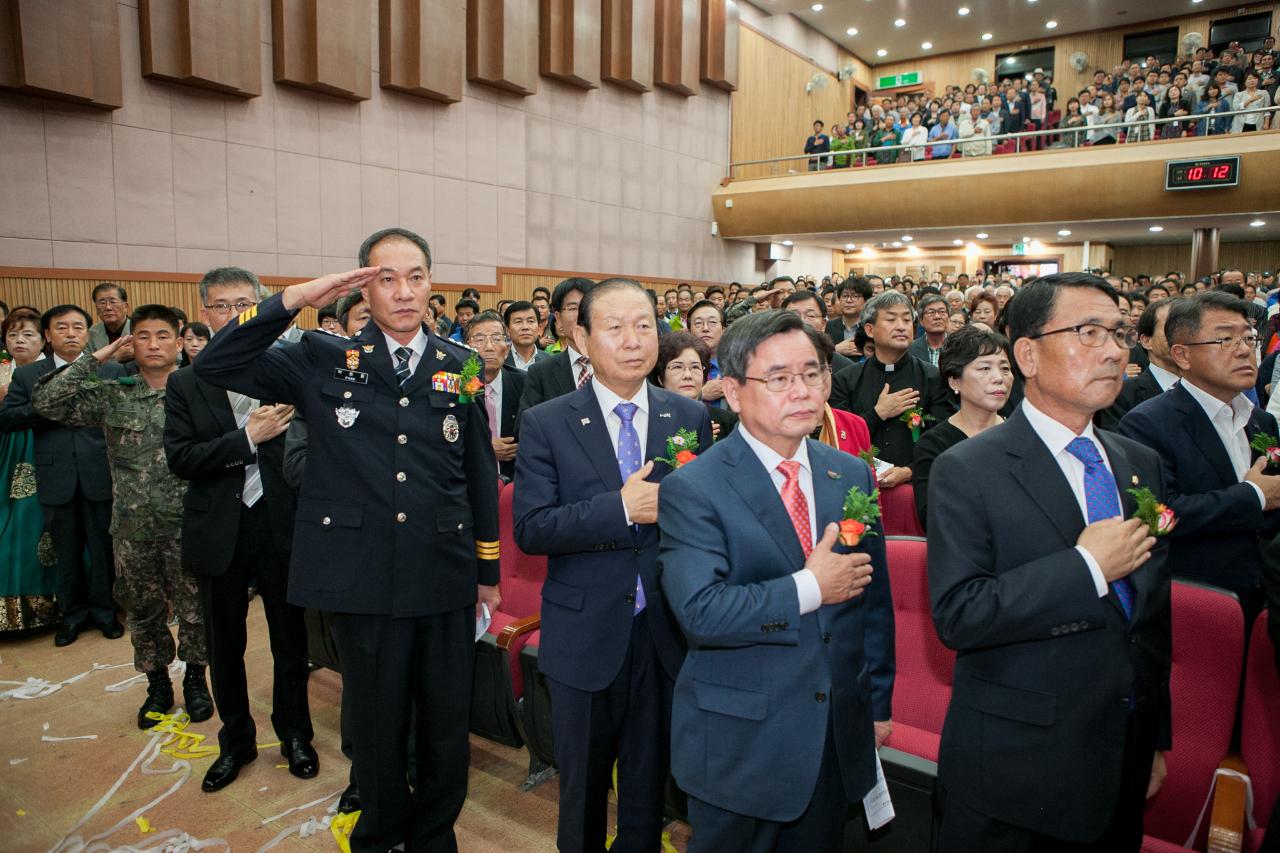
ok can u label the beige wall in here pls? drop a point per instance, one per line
(289, 183)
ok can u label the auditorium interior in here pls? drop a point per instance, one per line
(672, 142)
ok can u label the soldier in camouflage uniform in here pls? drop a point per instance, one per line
(146, 516)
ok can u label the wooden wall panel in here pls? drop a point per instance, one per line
(518, 283)
(771, 111)
(502, 44)
(422, 47)
(69, 50)
(569, 43)
(1251, 256)
(676, 34)
(212, 44)
(719, 44)
(626, 43)
(323, 45)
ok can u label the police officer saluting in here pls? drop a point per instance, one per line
(398, 547)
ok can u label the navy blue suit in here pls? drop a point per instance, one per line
(770, 704)
(1220, 519)
(595, 651)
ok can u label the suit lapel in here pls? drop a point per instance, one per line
(563, 374)
(662, 424)
(219, 405)
(754, 485)
(586, 423)
(1038, 474)
(1256, 424)
(1204, 436)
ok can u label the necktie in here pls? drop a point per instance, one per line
(402, 365)
(796, 503)
(242, 407)
(1103, 501)
(629, 463)
(585, 363)
(491, 407)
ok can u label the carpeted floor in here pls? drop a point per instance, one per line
(70, 794)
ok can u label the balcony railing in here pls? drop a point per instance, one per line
(1003, 143)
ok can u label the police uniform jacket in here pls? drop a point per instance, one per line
(402, 519)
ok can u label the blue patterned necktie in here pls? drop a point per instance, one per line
(629, 463)
(402, 365)
(1103, 501)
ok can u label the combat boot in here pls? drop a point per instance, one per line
(159, 697)
(195, 694)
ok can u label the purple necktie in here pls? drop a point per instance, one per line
(629, 463)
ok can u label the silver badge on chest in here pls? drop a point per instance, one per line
(347, 415)
(451, 431)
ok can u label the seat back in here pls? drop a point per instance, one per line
(1260, 726)
(1208, 653)
(898, 511)
(522, 574)
(922, 686)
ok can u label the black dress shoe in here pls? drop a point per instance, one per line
(303, 761)
(225, 770)
(111, 630)
(66, 635)
(350, 800)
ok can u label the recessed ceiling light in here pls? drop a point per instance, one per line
(788, 243)
(882, 52)
(963, 10)
(817, 7)
(907, 238)
(900, 23)
(1064, 232)
(1197, 1)
(1156, 228)
(986, 36)
(1049, 25)
(981, 235)
(1009, 60)
(848, 247)
(1257, 223)
(852, 31)
(957, 242)
(895, 244)
(1031, 1)
(926, 45)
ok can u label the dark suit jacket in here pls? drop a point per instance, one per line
(544, 380)
(1046, 672)
(1220, 519)
(835, 329)
(513, 382)
(568, 505)
(856, 389)
(399, 516)
(205, 447)
(65, 456)
(920, 349)
(751, 709)
(1137, 390)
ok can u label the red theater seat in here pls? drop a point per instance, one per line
(1260, 730)
(898, 511)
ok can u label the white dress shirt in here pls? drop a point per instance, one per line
(519, 362)
(807, 589)
(1056, 436)
(639, 421)
(1229, 422)
(1164, 378)
(417, 347)
(60, 362)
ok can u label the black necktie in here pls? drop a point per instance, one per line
(402, 365)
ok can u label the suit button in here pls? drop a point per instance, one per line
(400, 477)
(635, 551)
(401, 517)
(820, 696)
(404, 401)
(1075, 626)
(326, 521)
(459, 526)
(346, 395)
(402, 439)
(1083, 624)
(826, 638)
(1055, 630)
(630, 597)
(237, 496)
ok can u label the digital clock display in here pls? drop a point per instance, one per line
(1197, 174)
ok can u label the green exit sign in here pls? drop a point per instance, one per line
(893, 81)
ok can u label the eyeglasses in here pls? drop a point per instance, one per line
(779, 382)
(481, 340)
(108, 303)
(711, 323)
(1095, 335)
(226, 308)
(934, 312)
(676, 368)
(1228, 343)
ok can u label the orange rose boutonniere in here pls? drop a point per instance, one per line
(861, 512)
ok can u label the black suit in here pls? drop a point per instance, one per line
(513, 381)
(1137, 390)
(1058, 702)
(547, 379)
(835, 330)
(73, 484)
(856, 389)
(226, 544)
(1220, 519)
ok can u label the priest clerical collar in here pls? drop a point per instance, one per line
(887, 368)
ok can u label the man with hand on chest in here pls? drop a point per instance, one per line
(589, 467)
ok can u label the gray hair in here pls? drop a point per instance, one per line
(223, 276)
(883, 302)
(747, 333)
(483, 317)
(366, 248)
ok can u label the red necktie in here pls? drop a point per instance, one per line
(586, 370)
(796, 503)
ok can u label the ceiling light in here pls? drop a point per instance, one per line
(1257, 223)
(963, 10)
(1156, 229)
(1026, 239)
(913, 250)
(1064, 232)
(981, 235)
(986, 36)
(1197, 1)
(1031, 1)
(817, 7)
(882, 52)
(926, 45)
(788, 243)
(895, 244)
(907, 238)
(848, 247)
(900, 23)
(1049, 25)
(1009, 60)
(852, 31)
(957, 242)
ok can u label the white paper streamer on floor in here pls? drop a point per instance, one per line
(38, 688)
